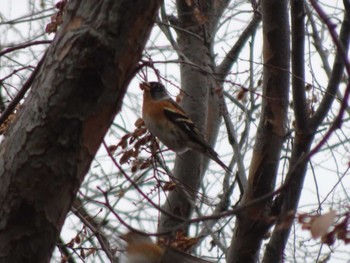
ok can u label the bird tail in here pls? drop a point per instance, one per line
(214, 156)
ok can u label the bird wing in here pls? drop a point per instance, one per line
(179, 118)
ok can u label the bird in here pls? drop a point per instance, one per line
(166, 120)
(141, 249)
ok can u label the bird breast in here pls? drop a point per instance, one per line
(168, 134)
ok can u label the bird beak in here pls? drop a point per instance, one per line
(145, 86)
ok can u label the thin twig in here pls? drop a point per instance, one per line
(138, 188)
(10, 108)
(34, 43)
(94, 226)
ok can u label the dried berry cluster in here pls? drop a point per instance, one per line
(132, 144)
(57, 18)
(76, 246)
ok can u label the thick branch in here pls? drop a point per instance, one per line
(298, 65)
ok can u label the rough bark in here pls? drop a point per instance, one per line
(198, 83)
(49, 147)
(252, 224)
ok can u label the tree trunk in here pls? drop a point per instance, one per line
(253, 223)
(49, 147)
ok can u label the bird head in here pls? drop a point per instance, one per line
(155, 89)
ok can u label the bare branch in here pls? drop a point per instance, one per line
(10, 108)
(231, 57)
(298, 66)
(24, 45)
(342, 44)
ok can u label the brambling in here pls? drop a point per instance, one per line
(169, 122)
(141, 249)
